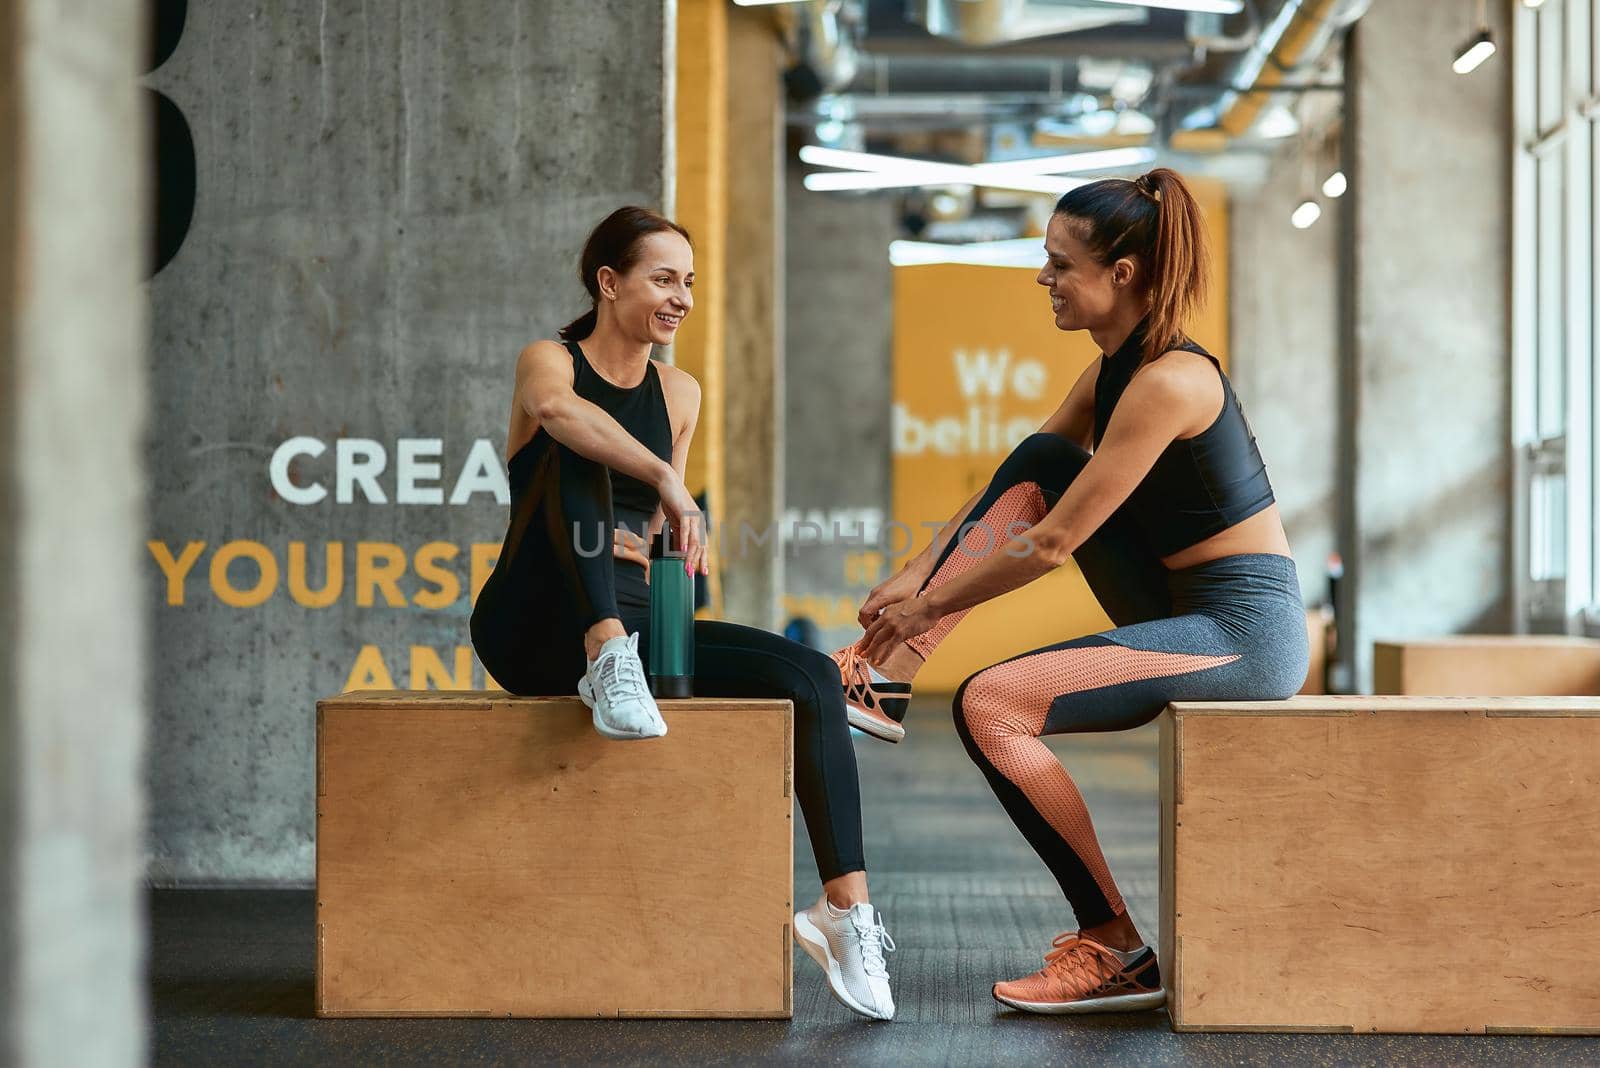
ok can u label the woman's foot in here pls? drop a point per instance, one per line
(1082, 974)
(875, 704)
(850, 944)
(614, 687)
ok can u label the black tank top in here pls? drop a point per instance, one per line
(642, 412)
(1198, 486)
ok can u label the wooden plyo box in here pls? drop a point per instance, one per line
(486, 855)
(1474, 665)
(1382, 864)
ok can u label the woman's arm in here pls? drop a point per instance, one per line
(683, 407)
(1162, 404)
(544, 371)
(683, 404)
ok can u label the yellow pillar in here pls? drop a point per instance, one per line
(701, 130)
(753, 409)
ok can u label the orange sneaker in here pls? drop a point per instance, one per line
(874, 707)
(1083, 975)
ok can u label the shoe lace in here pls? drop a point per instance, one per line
(1080, 963)
(857, 678)
(621, 674)
(875, 942)
(853, 668)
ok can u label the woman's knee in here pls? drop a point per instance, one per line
(1046, 458)
(974, 708)
(817, 675)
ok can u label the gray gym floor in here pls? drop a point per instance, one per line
(967, 901)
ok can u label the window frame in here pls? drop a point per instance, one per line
(1564, 137)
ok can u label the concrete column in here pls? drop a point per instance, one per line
(1426, 331)
(72, 413)
(753, 419)
(838, 329)
(392, 198)
(1284, 330)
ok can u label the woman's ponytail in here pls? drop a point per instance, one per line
(581, 327)
(1180, 265)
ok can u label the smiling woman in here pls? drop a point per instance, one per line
(1148, 477)
(598, 443)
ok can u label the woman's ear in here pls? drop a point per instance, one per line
(1123, 271)
(607, 279)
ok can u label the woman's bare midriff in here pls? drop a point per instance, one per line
(1261, 533)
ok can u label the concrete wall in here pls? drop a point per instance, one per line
(1427, 330)
(839, 312)
(1284, 331)
(72, 411)
(392, 198)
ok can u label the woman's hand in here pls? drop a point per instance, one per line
(897, 623)
(687, 522)
(897, 587)
(626, 545)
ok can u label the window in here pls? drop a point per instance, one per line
(1556, 391)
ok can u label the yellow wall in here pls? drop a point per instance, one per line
(978, 365)
(701, 131)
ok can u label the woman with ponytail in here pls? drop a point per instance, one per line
(599, 438)
(1149, 477)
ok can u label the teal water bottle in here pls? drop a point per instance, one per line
(671, 619)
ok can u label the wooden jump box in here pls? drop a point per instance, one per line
(486, 855)
(1382, 864)
(1482, 665)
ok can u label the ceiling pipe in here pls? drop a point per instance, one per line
(882, 75)
(1285, 42)
(988, 22)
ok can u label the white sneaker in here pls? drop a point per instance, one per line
(849, 944)
(615, 688)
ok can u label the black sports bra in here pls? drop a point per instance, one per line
(642, 411)
(1198, 486)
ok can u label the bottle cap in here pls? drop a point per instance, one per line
(663, 546)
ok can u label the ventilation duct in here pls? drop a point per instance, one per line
(826, 56)
(989, 22)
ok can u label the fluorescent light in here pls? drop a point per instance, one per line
(1277, 122)
(1020, 252)
(1473, 53)
(1212, 7)
(1102, 160)
(872, 171)
(941, 174)
(861, 161)
(1307, 213)
(1335, 185)
(1532, 3)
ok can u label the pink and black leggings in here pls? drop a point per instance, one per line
(1230, 629)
